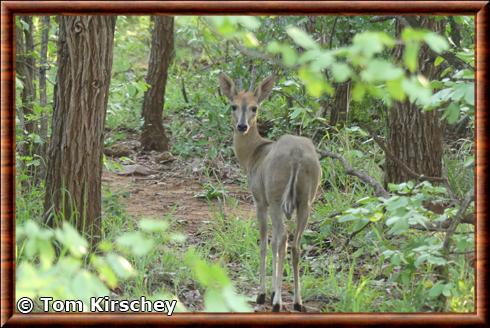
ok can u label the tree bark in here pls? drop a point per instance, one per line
(25, 69)
(73, 181)
(415, 137)
(153, 135)
(43, 101)
(340, 108)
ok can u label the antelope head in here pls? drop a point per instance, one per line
(245, 104)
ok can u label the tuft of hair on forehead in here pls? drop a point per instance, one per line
(245, 97)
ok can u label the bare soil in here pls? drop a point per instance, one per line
(174, 187)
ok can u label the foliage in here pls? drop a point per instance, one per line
(57, 263)
(220, 294)
(411, 254)
(362, 61)
(456, 97)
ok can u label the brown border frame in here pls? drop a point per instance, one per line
(10, 8)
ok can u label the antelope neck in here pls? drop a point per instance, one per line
(246, 145)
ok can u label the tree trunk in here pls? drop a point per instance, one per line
(73, 182)
(153, 136)
(25, 69)
(340, 108)
(415, 137)
(43, 101)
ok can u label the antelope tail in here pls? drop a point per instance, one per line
(289, 200)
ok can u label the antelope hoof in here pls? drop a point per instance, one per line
(272, 298)
(260, 299)
(299, 307)
(276, 308)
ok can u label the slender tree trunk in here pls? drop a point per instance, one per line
(340, 108)
(43, 67)
(415, 137)
(25, 69)
(153, 136)
(73, 181)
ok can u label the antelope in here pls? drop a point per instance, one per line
(283, 176)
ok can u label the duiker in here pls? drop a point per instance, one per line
(283, 176)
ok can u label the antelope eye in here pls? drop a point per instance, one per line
(253, 109)
(234, 107)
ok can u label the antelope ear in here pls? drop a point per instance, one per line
(264, 89)
(227, 86)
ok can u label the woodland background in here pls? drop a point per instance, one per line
(127, 184)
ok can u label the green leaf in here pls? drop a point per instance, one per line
(341, 72)
(371, 43)
(376, 217)
(381, 70)
(301, 38)
(323, 61)
(395, 259)
(436, 42)
(274, 47)
(120, 265)
(395, 89)
(310, 55)
(347, 218)
(151, 225)
(132, 91)
(410, 56)
(436, 290)
(358, 92)
(399, 225)
(135, 242)
(71, 239)
(250, 40)
(214, 301)
(459, 91)
(250, 22)
(436, 260)
(469, 95)
(438, 61)
(314, 82)
(421, 259)
(411, 35)
(289, 56)
(416, 91)
(447, 289)
(105, 271)
(451, 113)
(395, 202)
(209, 275)
(224, 25)
(86, 285)
(469, 162)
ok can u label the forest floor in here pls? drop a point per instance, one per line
(158, 184)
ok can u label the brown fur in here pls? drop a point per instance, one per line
(283, 177)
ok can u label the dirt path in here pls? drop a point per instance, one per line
(173, 186)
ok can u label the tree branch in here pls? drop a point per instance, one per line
(443, 226)
(444, 179)
(398, 161)
(352, 235)
(470, 196)
(379, 190)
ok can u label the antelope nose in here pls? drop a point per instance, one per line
(242, 127)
